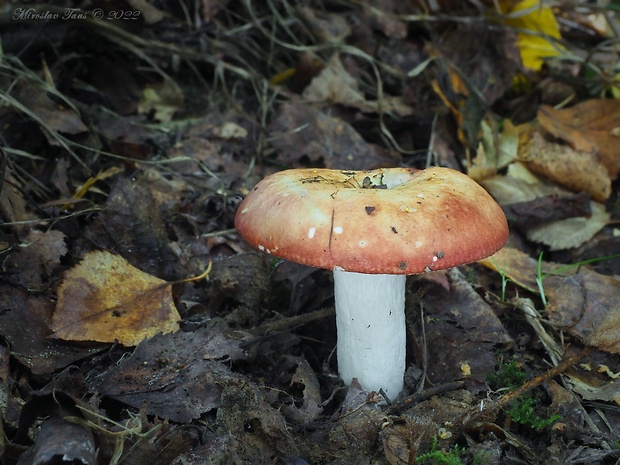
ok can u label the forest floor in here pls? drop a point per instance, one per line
(138, 327)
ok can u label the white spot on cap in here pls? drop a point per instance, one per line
(311, 232)
(244, 211)
(420, 195)
(362, 243)
(261, 247)
(418, 244)
(338, 229)
(407, 209)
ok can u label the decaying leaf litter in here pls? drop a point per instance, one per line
(128, 144)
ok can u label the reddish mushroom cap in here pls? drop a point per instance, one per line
(386, 221)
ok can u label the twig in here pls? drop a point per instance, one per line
(493, 407)
(291, 322)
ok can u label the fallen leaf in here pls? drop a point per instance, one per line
(163, 100)
(230, 130)
(175, 376)
(519, 184)
(326, 27)
(67, 438)
(38, 254)
(132, 225)
(570, 232)
(547, 208)
(496, 149)
(54, 116)
(335, 84)
(454, 92)
(24, 323)
(609, 392)
(577, 170)
(538, 32)
(590, 126)
(106, 299)
(582, 302)
(587, 305)
(516, 266)
(462, 329)
(384, 16)
(312, 404)
(302, 135)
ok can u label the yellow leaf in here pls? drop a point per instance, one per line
(106, 299)
(536, 30)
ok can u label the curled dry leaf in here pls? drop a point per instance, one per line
(591, 126)
(519, 184)
(496, 150)
(577, 170)
(106, 299)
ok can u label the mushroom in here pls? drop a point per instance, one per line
(372, 228)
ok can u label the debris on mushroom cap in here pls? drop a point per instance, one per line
(389, 221)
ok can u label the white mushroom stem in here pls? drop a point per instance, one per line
(370, 319)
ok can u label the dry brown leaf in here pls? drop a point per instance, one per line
(609, 392)
(326, 27)
(302, 135)
(163, 100)
(24, 324)
(383, 15)
(590, 126)
(312, 404)
(188, 384)
(519, 184)
(462, 332)
(106, 299)
(577, 170)
(335, 84)
(38, 254)
(582, 302)
(587, 305)
(515, 265)
(570, 232)
(55, 116)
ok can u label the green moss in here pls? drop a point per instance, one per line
(453, 456)
(523, 411)
(510, 376)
